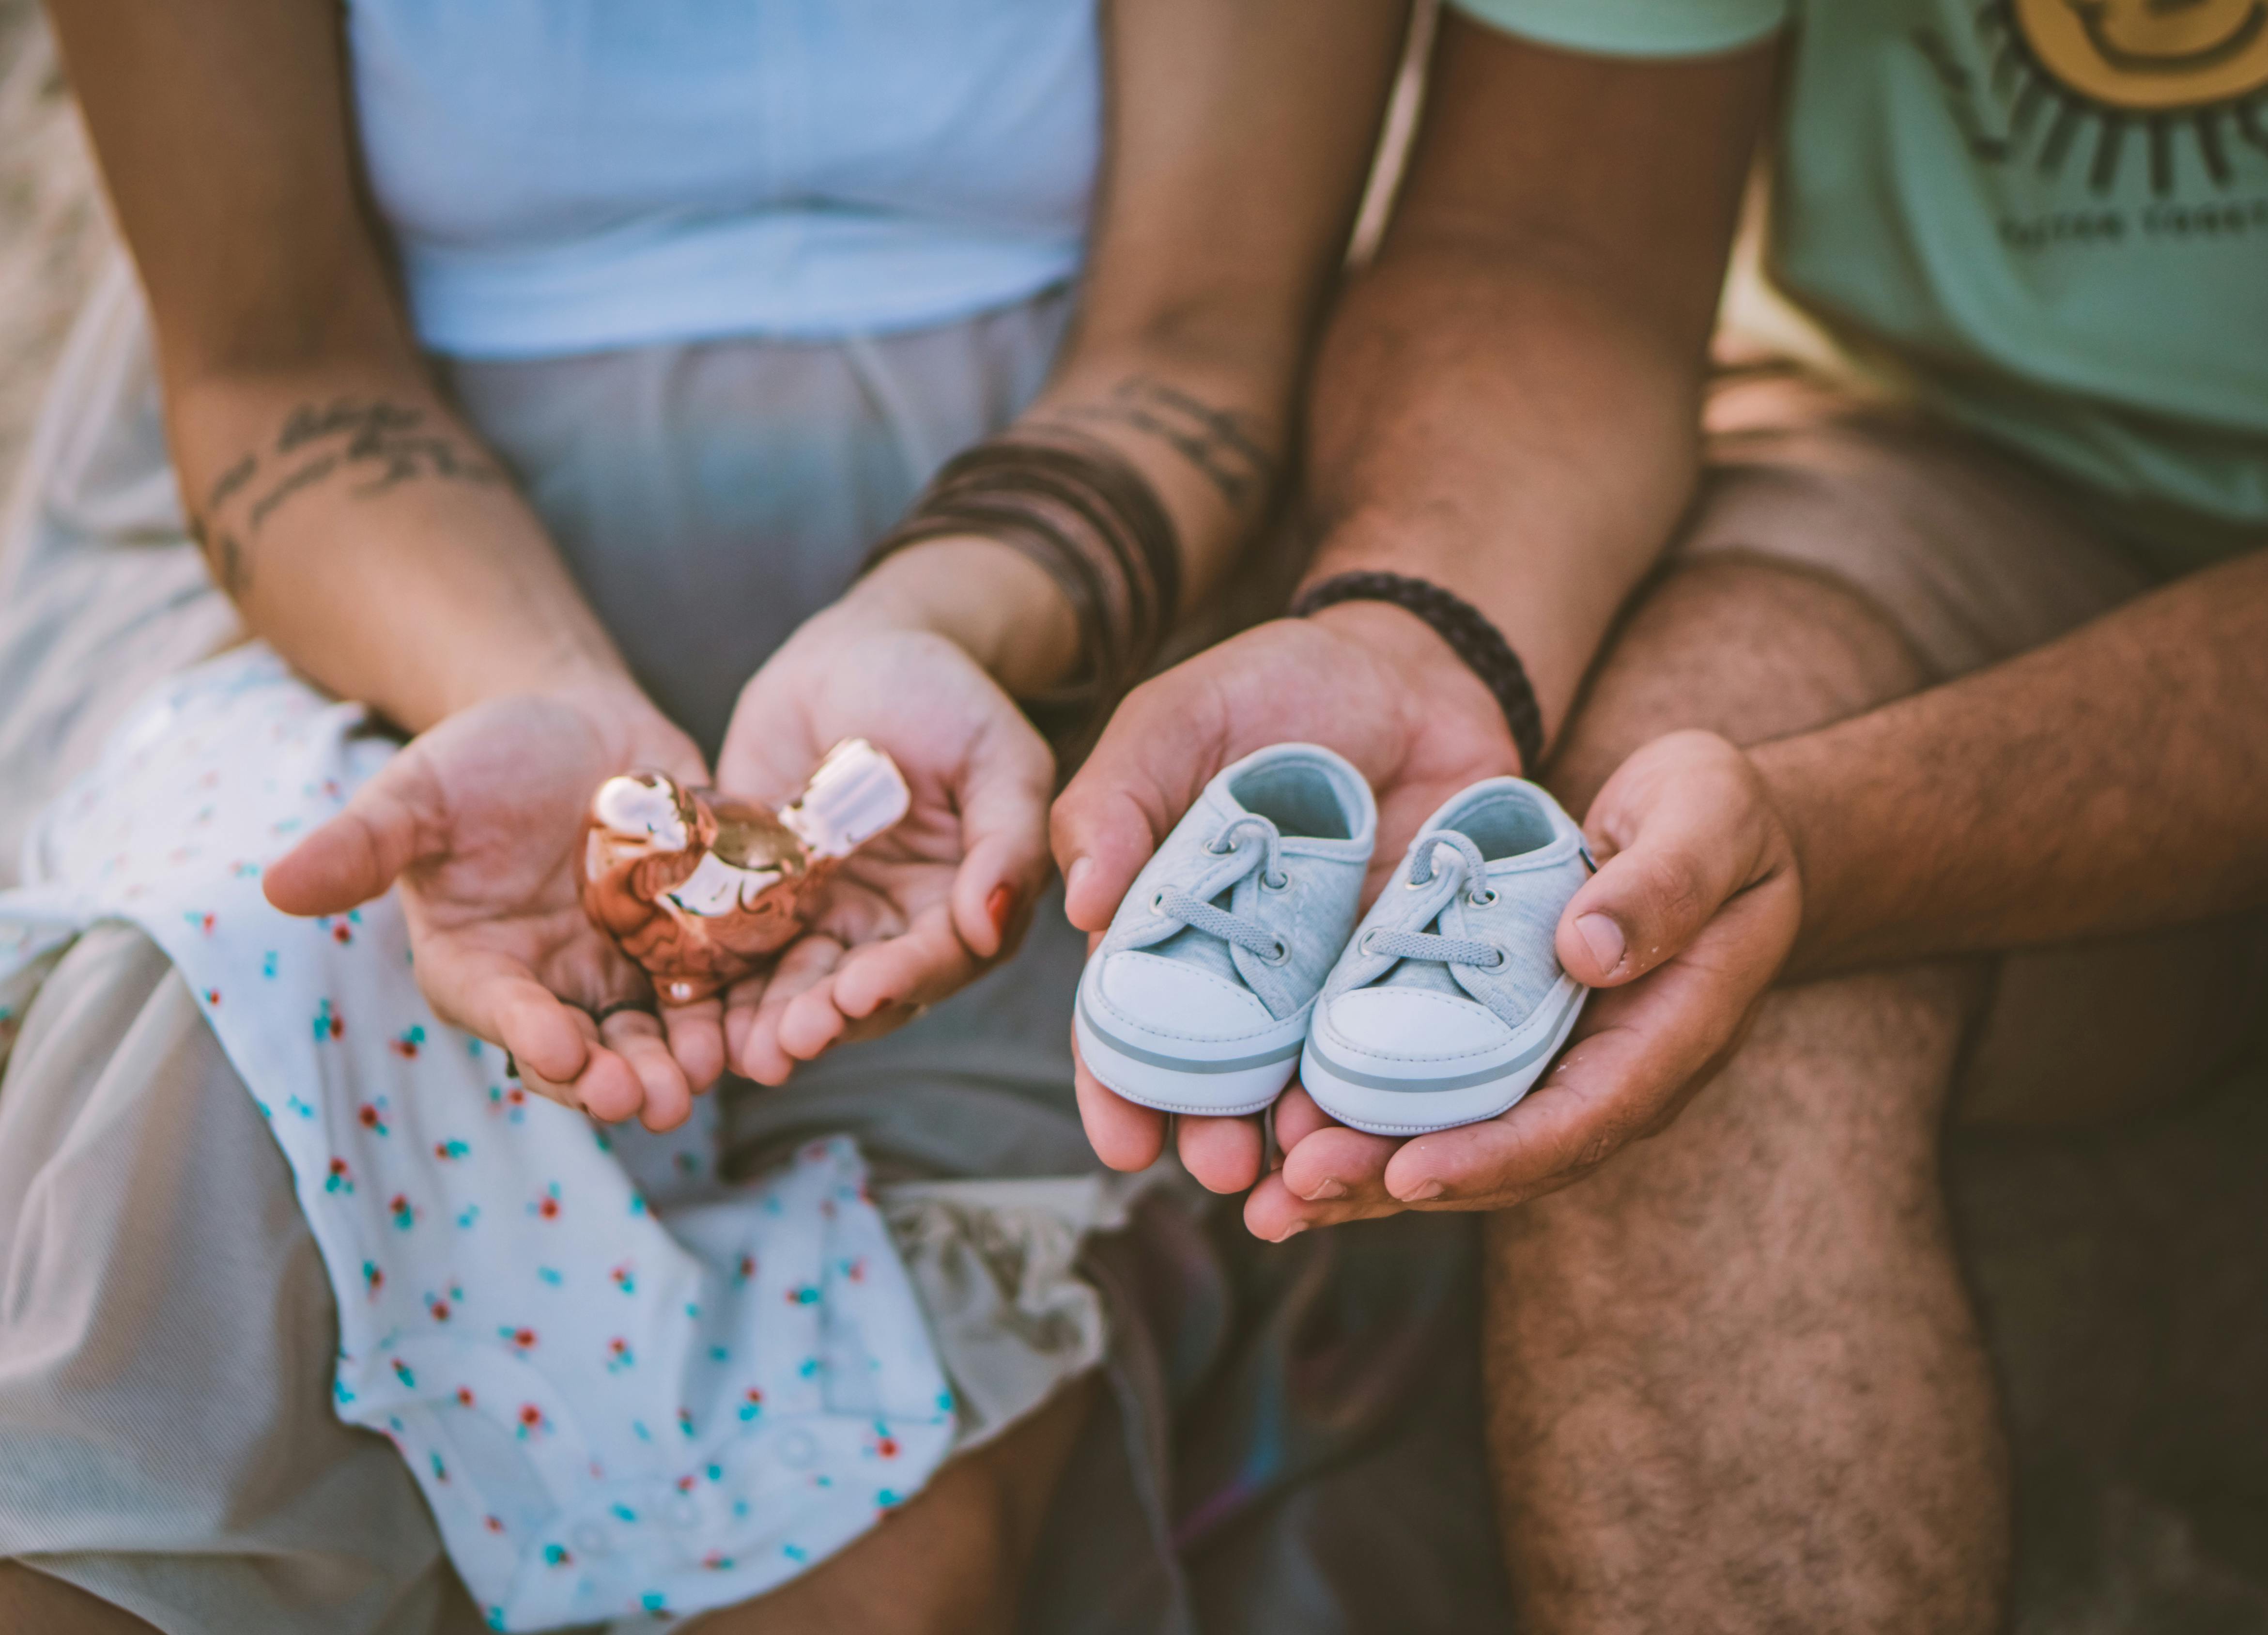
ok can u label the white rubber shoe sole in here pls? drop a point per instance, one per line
(1408, 1104)
(1224, 1086)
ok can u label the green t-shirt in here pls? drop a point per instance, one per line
(2049, 216)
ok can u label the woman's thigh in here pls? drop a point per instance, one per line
(166, 1436)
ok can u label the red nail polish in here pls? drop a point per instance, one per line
(999, 906)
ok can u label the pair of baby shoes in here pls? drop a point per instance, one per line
(1235, 957)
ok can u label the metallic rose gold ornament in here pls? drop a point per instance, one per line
(699, 888)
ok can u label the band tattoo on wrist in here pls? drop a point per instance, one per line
(1226, 444)
(386, 444)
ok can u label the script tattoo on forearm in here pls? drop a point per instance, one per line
(1226, 444)
(221, 547)
(386, 444)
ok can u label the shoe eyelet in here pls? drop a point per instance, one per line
(1213, 851)
(1481, 899)
(1496, 964)
(1276, 882)
(1157, 903)
(1414, 884)
(1282, 953)
(1363, 949)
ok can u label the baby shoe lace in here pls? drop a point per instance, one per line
(1254, 937)
(1414, 945)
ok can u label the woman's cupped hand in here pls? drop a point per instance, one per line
(478, 820)
(923, 909)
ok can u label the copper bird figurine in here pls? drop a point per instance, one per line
(699, 888)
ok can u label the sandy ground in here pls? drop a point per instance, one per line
(2123, 1269)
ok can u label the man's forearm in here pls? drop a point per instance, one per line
(1507, 401)
(2113, 780)
(1507, 436)
(379, 547)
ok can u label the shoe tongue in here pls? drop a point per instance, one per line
(1201, 949)
(1421, 974)
(1429, 974)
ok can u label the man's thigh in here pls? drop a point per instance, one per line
(1734, 1369)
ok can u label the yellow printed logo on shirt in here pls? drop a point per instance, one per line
(2150, 56)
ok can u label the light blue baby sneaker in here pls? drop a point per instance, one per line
(1450, 1002)
(1196, 1000)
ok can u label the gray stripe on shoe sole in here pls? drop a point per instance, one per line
(1183, 1063)
(1379, 1081)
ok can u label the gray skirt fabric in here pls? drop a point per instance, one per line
(166, 1328)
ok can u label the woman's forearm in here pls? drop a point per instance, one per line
(372, 538)
(1207, 437)
(1238, 140)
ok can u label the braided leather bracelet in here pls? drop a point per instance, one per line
(1469, 634)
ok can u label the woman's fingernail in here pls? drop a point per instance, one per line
(1080, 867)
(1604, 939)
(1328, 1187)
(1423, 1191)
(999, 906)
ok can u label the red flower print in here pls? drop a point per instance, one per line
(464, 1397)
(342, 933)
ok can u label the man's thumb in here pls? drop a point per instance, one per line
(1682, 823)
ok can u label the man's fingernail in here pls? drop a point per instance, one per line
(1423, 1191)
(1328, 1187)
(1080, 867)
(1603, 938)
(1290, 1232)
(999, 906)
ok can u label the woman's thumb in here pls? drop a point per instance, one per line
(359, 854)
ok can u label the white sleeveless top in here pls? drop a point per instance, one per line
(576, 175)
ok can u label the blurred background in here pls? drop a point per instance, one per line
(2123, 1270)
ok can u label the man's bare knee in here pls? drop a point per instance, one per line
(1740, 648)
